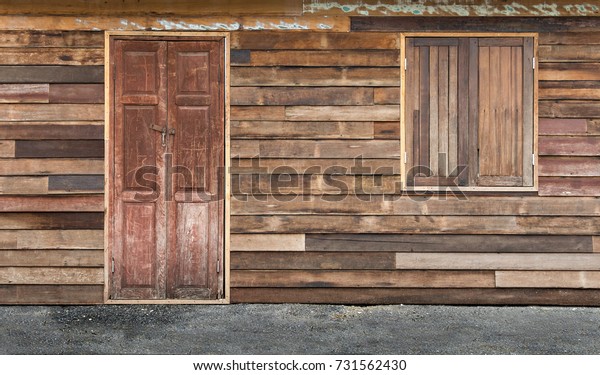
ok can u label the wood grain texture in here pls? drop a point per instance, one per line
(251, 113)
(569, 71)
(346, 113)
(474, 24)
(46, 38)
(569, 166)
(24, 167)
(51, 294)
(52, 112)
(53, 220)
(51, 74)
(548, 279)
(371, 58)
(23, 186)
(268, 260)
(51, 258)
(85, 183)
(270, 40)
(301, 96)
(459, 296)
(568, 53)
(76, 93)
(59, 149)
(84, 203)
(7, 149)
(596, 240)
(306, 149)
(26, 131)
(313, 166)
(416, 224)
(52, 56)
(569, 146)
(568, 38)
(24, 93)
(442, 243)
(558, 126)
(361, 279)
(307, 129)
(569, 109)
(267, 242)
(569, 186)
(51, 239)
(51, 275)
(487, 261)
(308, 76)
(352, 204)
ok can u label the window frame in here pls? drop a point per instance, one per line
(406, 145)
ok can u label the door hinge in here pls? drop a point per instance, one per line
(112, 266)
(533, 63)
(405, 63)
(532, 159)
(218, 266)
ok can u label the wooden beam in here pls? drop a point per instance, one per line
(89, 203)
(267, 242)
(51, 239)
(51, 258)
(268, 260)
(25, 167)
(51, 275)
(569, 186)
(548, 279)
(51, 294)
(292, 76)
(270, 40)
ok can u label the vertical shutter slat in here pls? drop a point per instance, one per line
(473, 109)
(527, 111)
(463, 110)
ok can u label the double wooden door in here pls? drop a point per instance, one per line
(168, 182)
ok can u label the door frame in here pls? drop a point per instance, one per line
(109, 143)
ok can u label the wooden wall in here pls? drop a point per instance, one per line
(311, 102)
(51, 167)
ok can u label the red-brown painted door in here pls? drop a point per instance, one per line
(167, 238)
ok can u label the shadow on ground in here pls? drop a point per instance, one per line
(298, 329)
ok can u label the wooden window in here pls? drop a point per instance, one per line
(469, 116)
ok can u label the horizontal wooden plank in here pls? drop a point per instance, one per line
(7, 149)
(251, 189)
(24, 93)
(568, 38)
(569, 71)
(352, 204)
(558, 126)
(52, 56)
(574, 146)
(387, 95)
(52, 220)
(387, 130)
(76, 183)
(306, 40)
(267, 242)
(569, 186)
(51, 239)
(76, 93)
(316, 149)
(455, 243)
(51, 74)
(416, 224)
(257, 113)
(51, 275)
(364, 279)
(27, 131)
(569, 166)
(301, 96)
(469, 296)
(346, 113)
(82, 203)
(45, 38)
(51, 258)
(378, 58)
(569, 109)
(52, 112)
(472, 24)
(22, 186)
(569, 90)
(301, 129)
(293, 76)
(59, 149)
(569, 53)
(596, 241)
(269, 260)
(548, 279)
(24, 167)
(51, 294)
(356, 166)
(489, 261)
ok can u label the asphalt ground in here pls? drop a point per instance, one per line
(298, 329)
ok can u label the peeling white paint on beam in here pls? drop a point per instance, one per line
(408, 7)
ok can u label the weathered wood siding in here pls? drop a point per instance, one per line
(310, 102)
(51, 167)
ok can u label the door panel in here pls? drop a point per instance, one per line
(169, 160)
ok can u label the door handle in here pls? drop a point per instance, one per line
(163, 134)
